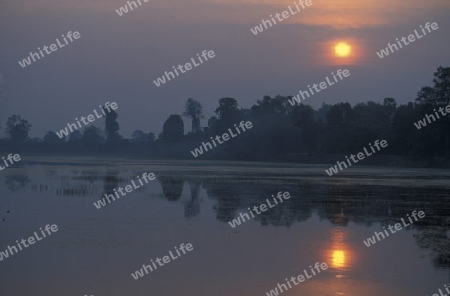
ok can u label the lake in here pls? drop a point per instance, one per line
(326, 219)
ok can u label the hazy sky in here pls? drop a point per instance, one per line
(118, 57)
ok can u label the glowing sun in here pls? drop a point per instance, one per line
(342, 49)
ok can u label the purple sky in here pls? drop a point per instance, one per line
(118, 57)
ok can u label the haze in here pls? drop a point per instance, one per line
(118, 57)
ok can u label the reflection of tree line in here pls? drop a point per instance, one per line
(341, 204)
(337, 203)
(172, 188)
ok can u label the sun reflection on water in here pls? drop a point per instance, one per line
(338, 259)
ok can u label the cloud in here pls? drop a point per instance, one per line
(369, 13)
(348, 13)
(336, 14)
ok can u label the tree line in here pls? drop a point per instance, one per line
(282, 131)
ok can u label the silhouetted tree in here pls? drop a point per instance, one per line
(427, 96)
(271, 106)
(434, 141)
(228, 109)
(340, 114)
(227, 114)
(441, 83)
(111, 127)
(17, 129)
(194, 110)
(92, 136)
(173, 129)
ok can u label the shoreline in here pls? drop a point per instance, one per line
(288, 160)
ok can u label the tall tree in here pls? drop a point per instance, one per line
(441, 83)
(228, 107)
(429, 99)
(194, 110)
(111, 127)
(227, 113)
(173, 129)
(17, 129)
(439, 93)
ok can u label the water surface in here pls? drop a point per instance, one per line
(325, 220)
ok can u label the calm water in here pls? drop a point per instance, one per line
(326, 220)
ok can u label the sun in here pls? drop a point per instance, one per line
(342, 49)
